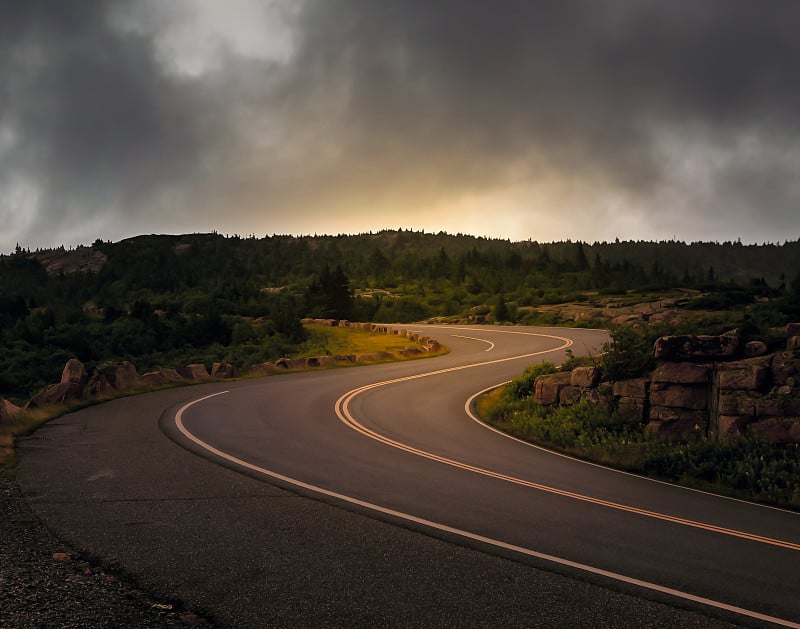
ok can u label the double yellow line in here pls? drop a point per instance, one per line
(343, 413)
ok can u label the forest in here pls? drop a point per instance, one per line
(162, 300)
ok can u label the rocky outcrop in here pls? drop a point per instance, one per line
(695, 393)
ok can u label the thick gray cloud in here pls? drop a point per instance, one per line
(642, 119)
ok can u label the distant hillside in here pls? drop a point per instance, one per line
(159, 299)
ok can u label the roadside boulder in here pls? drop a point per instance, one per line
(153, 378)
(73, 380)
(262, 368)
(74, 373)
(224, 370)
(195, 371)
(320, 361)
(109, 378)
(291, 363)
(7, 410)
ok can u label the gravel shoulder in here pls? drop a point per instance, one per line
(46, 583)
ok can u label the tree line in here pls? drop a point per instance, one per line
(161, 300)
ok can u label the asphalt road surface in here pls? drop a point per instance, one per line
(371, 497)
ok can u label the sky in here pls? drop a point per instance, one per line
(543, 120)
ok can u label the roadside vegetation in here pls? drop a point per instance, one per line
(319, 341)
(745, 468)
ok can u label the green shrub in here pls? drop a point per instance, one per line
(627, 355)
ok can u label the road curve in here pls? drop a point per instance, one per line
(396, 443)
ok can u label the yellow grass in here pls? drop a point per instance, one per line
(325, 340)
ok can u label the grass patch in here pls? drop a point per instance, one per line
(747, 468)
(333, 341)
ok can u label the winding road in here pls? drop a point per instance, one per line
(373, 497)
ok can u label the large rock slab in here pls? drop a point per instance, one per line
(633, 387)
(701, 348)
(546, 389)
(736, 404)
(743, 377)
(681, 373)
(676, 424)
(679, 396)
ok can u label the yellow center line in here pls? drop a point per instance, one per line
(343, 413)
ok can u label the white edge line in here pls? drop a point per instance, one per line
(466, 534)
(472, 338)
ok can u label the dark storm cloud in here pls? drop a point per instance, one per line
(98, 125)
(579, 84)
(416, 102)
